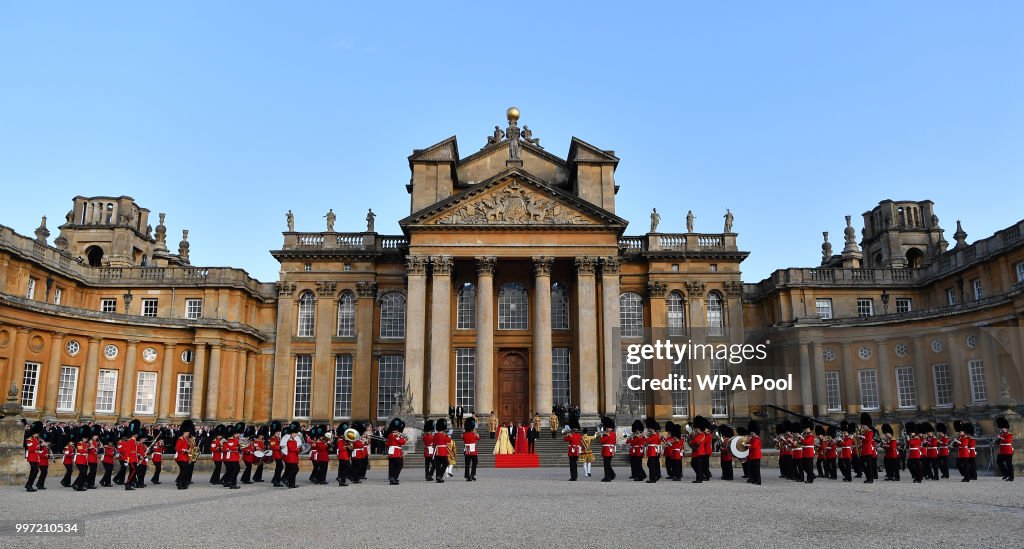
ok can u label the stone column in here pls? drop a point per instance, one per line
(243, 359)
(542, 335)
(611, 340)
(213, 383)
(415, 330)
(586, 304)
(659, 403)
(129, 385)
(362, 363)
(53, 376)
(851, 385)
(922, 376)
(700, 401)
(886, 379)
(282, 368)
(17, 367)
(198, 382)
(248, 413)
(806, 381)
(322, 387)
(820, 394)
(484, 374)
(168, 383)
(959, 374)
(440, 333)
(89, 381)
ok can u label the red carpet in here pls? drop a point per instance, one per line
(508, 461)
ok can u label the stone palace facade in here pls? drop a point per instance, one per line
(512, 288)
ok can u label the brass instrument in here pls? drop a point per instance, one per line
(193, 448)
(244, 443)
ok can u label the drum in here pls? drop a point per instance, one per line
(260, 454)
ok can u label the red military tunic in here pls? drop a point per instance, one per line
(292, 457)
(931, 448)
(963, 449)
(846, 450)
(575, 444)
(808, 446)
(428, 445)
(892, 449)
(129, 449)
(754, 445)
(832, 450)
(275, 447)
(724, 451)
(708, 444)
(249, 453)
(867, 444)
(697, 443)
(321, 451)
(342, 448)
(32, 449)
(82, 453)
(94, 451)
(230, 450)
(1006, 444)
(215, 449)
(653, 445)
(158, 452)
(69, 454)
(181, 450)
(943, 446)
(108, 454)
(636, 445)
(914, 448)
(441, 444)
(608, 444)
(973, 442)
(396, 441)
(469, 441)
(674, 449)
(359, 450)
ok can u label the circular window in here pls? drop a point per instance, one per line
(829, 354)
(937, 345)
(864, 352)
(149, 354)
(187, 356)
(72, 347)
(972, 341)
(901, 350)
(110, 351)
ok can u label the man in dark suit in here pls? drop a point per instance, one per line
(451, 414)
(512, 434)
(531, 436)
(458, 414)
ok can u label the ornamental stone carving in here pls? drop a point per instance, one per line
(585, 265)
(285, 289)
(610, 265)
(416, 265)
(657, 289)
(696, 288)
(513, 205)
(442, 264)
(485, 265)
(542, 266)
(366, 288)
(733, 287)
(326, 287)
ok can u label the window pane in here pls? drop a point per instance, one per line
(307, 315)
(906, 388)
(680, 398)
(347, 315)
(903, 305)
(832, 394)
(637, 400)
(631, 315)
(559, 306)
(824, 308)
(390, 382)
(465, 365)
(868, 390)
(979, 393)
(716, 321)
(303, 385)
(719, 397)
(183, 398)
(392, 315)
(466, 307)
(106, 388)
(561, 385)
(865, 307)
(943, 385)
(343, 386)
(193, 308)
(66, 389)
(676, 315)
(513, 307)
(145, 393)
(30, 385)
(149, 307)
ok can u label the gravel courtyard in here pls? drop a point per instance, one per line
(529, 508)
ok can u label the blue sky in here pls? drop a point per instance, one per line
(226, 114)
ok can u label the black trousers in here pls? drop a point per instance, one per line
(754, 471)
(66, 481)
(845, 468)
(892, 468)
(530, 450)
(914, 466)
(290, 471)
(215, 477)
(492, 434)
(395, 468)
(121, 472)
(636, 468)
(698, 469)
(343, 465)
(858, 465)
(108, 469)
(428, 466)
(654, 468)
(808, 465)
(230, 477)
(573, 465)
(821, 466)
(926, 466)
(726, 469)
(357, 470)
(140, 475)
(961, 466)
(470, 467)
(247, 474)
(440, 464)
(944, 466)
(278, 470)
(870, 466)
(83, 476)
(157, 467)
(1004, 462)
(33, 472)
(674, 468)
(972, 466)
(609, 473)
(129, 476)
(183, 473)
(92, 475)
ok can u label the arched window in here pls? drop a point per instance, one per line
(631, 314)
(392, 315)
(676, 315)
(466, 307)
(347, 315)
(716, 321)
(513, 307)
(95, 255)
(307, 314)
(559, 306)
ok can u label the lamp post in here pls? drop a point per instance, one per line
(127, 301)
(885, 301)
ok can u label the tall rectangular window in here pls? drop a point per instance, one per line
(832, 394)
(976, 285)
(638, 398)
(680, 398)
(719, 397)
(1020, 272)
(106, 388)
(903, 305)
(303, 385)
(108, 305)
(943, 385)
(561, 385)
(183, 396)
(145, 393)
(66, 390)
(676, 314)
(950, 296)
(559, 306)
(824, 308)
(30, 292)
(149, 307)
(390, 382)
(868, 390)
(465, 365)
(905, 387)
(193, 309)
(57, 294)
(979, 393)
(865, 307)
(347, 315)
(343, 386)
(465, 315)
(30, 386)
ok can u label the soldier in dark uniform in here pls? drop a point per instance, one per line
(394, 445)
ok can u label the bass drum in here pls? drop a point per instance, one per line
(739, 447)
(260, 454)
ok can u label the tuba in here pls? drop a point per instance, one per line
(351, 434)
(193, 448)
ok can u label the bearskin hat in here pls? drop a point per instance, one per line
(428, 425)
(135, 427)
(865, 419)
(742, 431)
(927, 428)
(440, 425)
(294, 427)
(725, 430)
(843, 424)
(910, 428)
(887, 429)
(674, 429)
(819, 431)
(187, 426)
(395, 425)
(276, 427)
(36, 428)
(754, 428)
(607, 422)
(832, 431)
(230, 430)
(637, 426)
(84, 432)
(340, 431)
(263, 431)
(360, 427)
(958, 425)
(469, 425)
(669, 425)
(700, 423)
(941, 427)
(806, 423)
(250, 431)
(780, 428)
(240, 427)
(652, 424)
(1002, 423)
(968, 428)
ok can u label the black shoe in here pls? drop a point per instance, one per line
(258, 480)
(473, 478)
(233, 487)
(250, 482)
(606, 480)
(572, 480)
(30, 489)
(965, 480)
(696, 482)
(154, 482)
(869, 481)
(93, 487)
(128, 489)
(438, 481)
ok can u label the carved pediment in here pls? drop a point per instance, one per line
(513, 204)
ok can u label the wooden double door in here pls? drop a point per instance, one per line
(513, 390)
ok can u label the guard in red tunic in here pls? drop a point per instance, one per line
(913, 451)
(1004, 456)
(944, 441)
(342, 447)
(832, 452)
(82, 458)
(157, 453)
(94, 447)
(142, 449)
(428, 450)
(109, 439)
(845, 462)
(470, 438)
(696, 443)
(674, 451)
(709, 448)
(931, 453)
(753, 462)
(232, 456)
(215, 453)
(608, 448)
(868, 454)
(129, 449)
(291, 443)
(891, 459)
(807, 449)
(182, 446)
(972, 456)
(653, 448)
(637, 442)
(69, 463)
(248, 453)
(33, 444)
(724, 451)
(394, 446)
(441, 450)
(275, 452)
(575, 447)
(260, 453)
(323, 456)
(361, 455)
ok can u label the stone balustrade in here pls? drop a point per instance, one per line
(678, 242)
(344, 242)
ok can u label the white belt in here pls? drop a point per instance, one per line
(471, 447)
(1005, 444)
(608, 445)
(392, 450)
(430, 450)
(806, 447)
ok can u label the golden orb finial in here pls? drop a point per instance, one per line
(512, 114)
